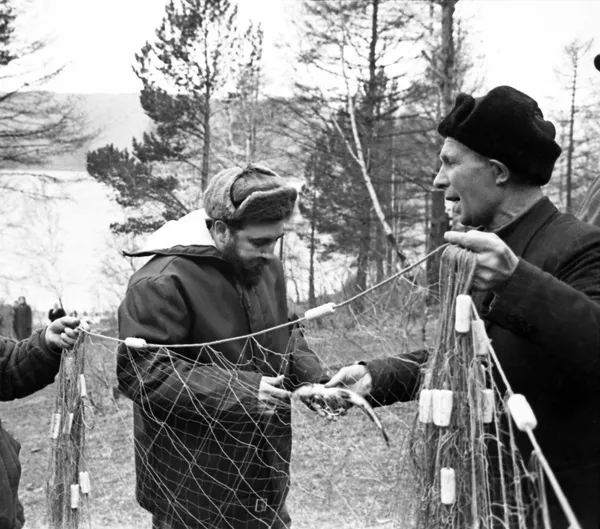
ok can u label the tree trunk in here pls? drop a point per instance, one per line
(571, 148)
(312, 298)
(362, 266)
(206, 145)
(439, 223)
(380, 254)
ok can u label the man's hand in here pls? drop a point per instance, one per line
(271, 394)
(496, 262)
(62, 333)
(355, 377)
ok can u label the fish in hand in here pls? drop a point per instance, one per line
(333, 402)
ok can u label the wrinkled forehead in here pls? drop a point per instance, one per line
(455, 149)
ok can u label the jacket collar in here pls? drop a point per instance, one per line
(518, 232)
(188, 237)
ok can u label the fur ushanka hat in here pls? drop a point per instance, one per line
(508, 126)
(253, 194)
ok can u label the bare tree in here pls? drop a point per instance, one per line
(575, 51)
(354, 147)
(35, 125)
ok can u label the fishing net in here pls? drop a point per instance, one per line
(470, 473)
(68, 483)
(209, 454)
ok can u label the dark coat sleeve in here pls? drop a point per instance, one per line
(559, 314)
(395, 378)
(26, 366)
(164, 381)
(305, 366)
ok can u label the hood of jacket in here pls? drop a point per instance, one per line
(188, 236)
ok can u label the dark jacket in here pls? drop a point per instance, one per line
(22, 321)
(545, 328)
(204, 443)
(25, 367)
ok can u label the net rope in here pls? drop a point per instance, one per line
(342, 475)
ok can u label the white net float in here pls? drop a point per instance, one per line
(136, 343)
(447, 486)
(84, 482)
(55, 426)
(317, 312)
(462, 322)
(425, 406)
(481, 342)
(521, 412)
(68, 424)
(82, 385)
(68, 365)
(74, 496)
(488, 404)
(442, 406)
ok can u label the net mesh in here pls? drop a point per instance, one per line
(222, 460)
(67, 472)
(470, 473)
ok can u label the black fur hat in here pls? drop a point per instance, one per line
(508, 126)
(251, 194)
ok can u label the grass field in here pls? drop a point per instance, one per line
(343, 475)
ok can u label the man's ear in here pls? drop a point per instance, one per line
(501, 172)
(220, 232)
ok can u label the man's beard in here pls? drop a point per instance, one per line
(247, 272)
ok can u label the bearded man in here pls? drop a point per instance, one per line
(212, 424)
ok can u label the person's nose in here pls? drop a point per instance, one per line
(441, 180)
(268, 251)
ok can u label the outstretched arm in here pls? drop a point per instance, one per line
(383, 381)
(31, 364)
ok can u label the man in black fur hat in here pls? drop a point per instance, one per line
(538, 277)
(213, 424)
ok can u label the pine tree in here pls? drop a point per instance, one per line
(199, 62)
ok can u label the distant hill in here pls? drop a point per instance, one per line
(116, 117)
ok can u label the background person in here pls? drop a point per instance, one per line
(23, 319)
(7, 316)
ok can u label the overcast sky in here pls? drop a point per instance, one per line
(520, 40)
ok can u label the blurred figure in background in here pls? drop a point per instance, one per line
(7, 316)
(23, 320)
